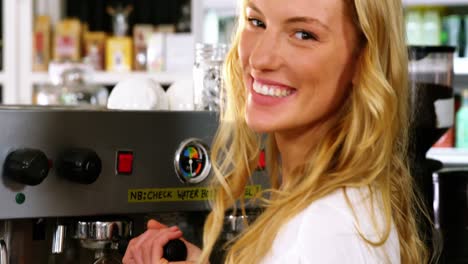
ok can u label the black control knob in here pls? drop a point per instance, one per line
(175, 250)
(26, 166)
(79, 165)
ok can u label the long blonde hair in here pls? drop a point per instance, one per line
(367, 145)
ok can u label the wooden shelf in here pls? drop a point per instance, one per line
(112, 78)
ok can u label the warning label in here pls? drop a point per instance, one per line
(181, 194)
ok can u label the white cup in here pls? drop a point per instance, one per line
(180, 96)
(138, 94)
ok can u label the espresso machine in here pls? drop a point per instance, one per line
(444, 188)
(78, 184)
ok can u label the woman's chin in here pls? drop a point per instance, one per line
(260, 125)
(259, 129)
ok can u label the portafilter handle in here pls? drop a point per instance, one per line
(4, 259)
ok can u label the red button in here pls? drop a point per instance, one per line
(124, 162)
(261, 161)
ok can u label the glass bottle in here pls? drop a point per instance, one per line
(461, 137)
(414, 27)
(431, 28)
(207, 74)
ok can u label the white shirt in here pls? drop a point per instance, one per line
(325, 232)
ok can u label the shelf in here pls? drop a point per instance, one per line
(112, 78)
(449, 156)
(460, 66)
(220, 4)
(434, 2)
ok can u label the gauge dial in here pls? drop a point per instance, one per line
(192, 162)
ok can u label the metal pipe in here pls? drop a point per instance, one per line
(4, 259)
(58, 240)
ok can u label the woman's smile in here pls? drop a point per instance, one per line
(269, 93)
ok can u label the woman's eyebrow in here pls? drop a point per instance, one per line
(292, 20)
(310, 20)
(254, 7)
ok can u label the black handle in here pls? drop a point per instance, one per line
(175, 250)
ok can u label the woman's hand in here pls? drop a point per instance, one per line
(148, 247)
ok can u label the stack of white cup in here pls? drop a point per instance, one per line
(146, 94)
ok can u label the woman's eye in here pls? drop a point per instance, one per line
(304, 35)
(256, 23)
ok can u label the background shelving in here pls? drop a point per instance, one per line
(449, 156)
(25, 79)
(434, 2)
(221, 4)
(461, 66)
(111, 78)
(10, 27)
(199, 9)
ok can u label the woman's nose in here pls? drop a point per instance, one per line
(266, 53)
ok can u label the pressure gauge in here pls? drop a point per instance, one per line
(192, 162)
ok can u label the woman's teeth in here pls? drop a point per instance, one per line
(270, 90)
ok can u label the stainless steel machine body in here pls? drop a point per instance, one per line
(100, 166)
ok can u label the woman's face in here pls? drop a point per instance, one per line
(298, 59)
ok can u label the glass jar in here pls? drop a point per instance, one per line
(72, 90)
(207, 74)
(75, 91)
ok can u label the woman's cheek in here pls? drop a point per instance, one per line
(245, 46)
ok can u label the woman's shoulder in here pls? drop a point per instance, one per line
(331, 231)
(349, 211)
(344, 211)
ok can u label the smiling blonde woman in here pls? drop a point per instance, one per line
(326, 81)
